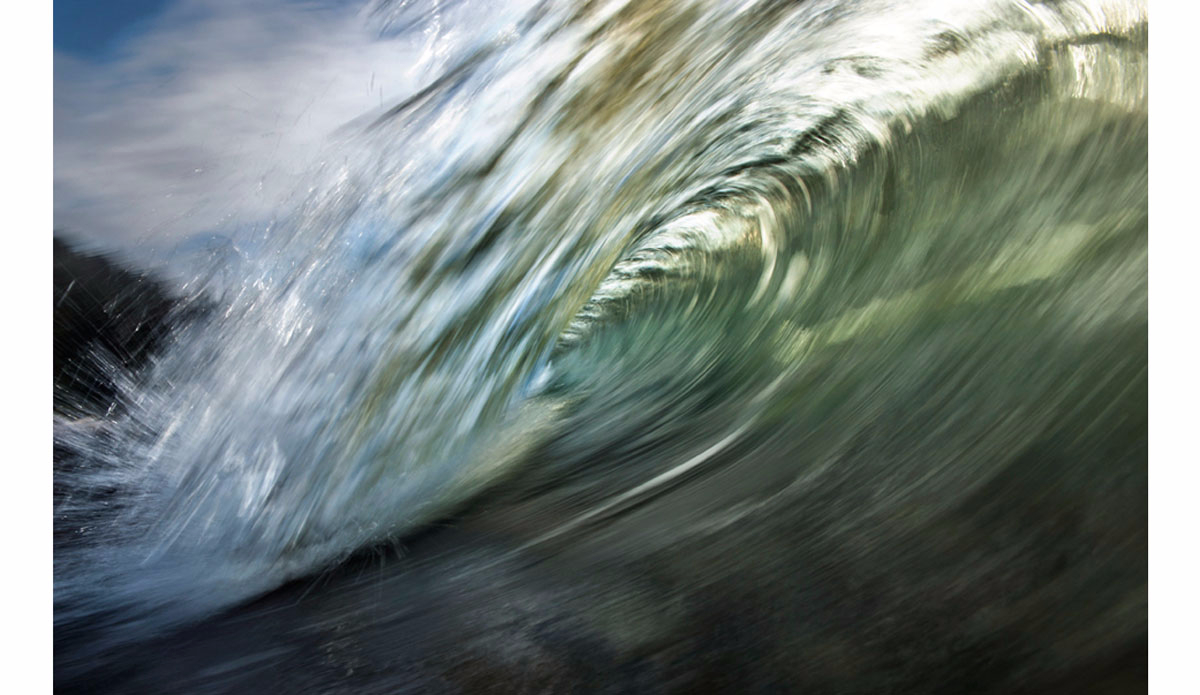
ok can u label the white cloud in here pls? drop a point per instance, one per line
(211, 117)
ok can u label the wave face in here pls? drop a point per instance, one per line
(891, 248)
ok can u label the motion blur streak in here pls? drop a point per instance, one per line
(651, 346)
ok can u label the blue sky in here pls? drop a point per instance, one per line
(180, 117)
(90, 29)
(176, 118)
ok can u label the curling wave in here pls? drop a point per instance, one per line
(621, 246)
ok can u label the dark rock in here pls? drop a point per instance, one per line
(108, 321)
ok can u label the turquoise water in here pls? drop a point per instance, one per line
(672, 266)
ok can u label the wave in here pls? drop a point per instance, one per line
(621, 248)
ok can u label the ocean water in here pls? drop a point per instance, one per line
(660, 347)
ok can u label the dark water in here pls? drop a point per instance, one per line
(657, 348)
